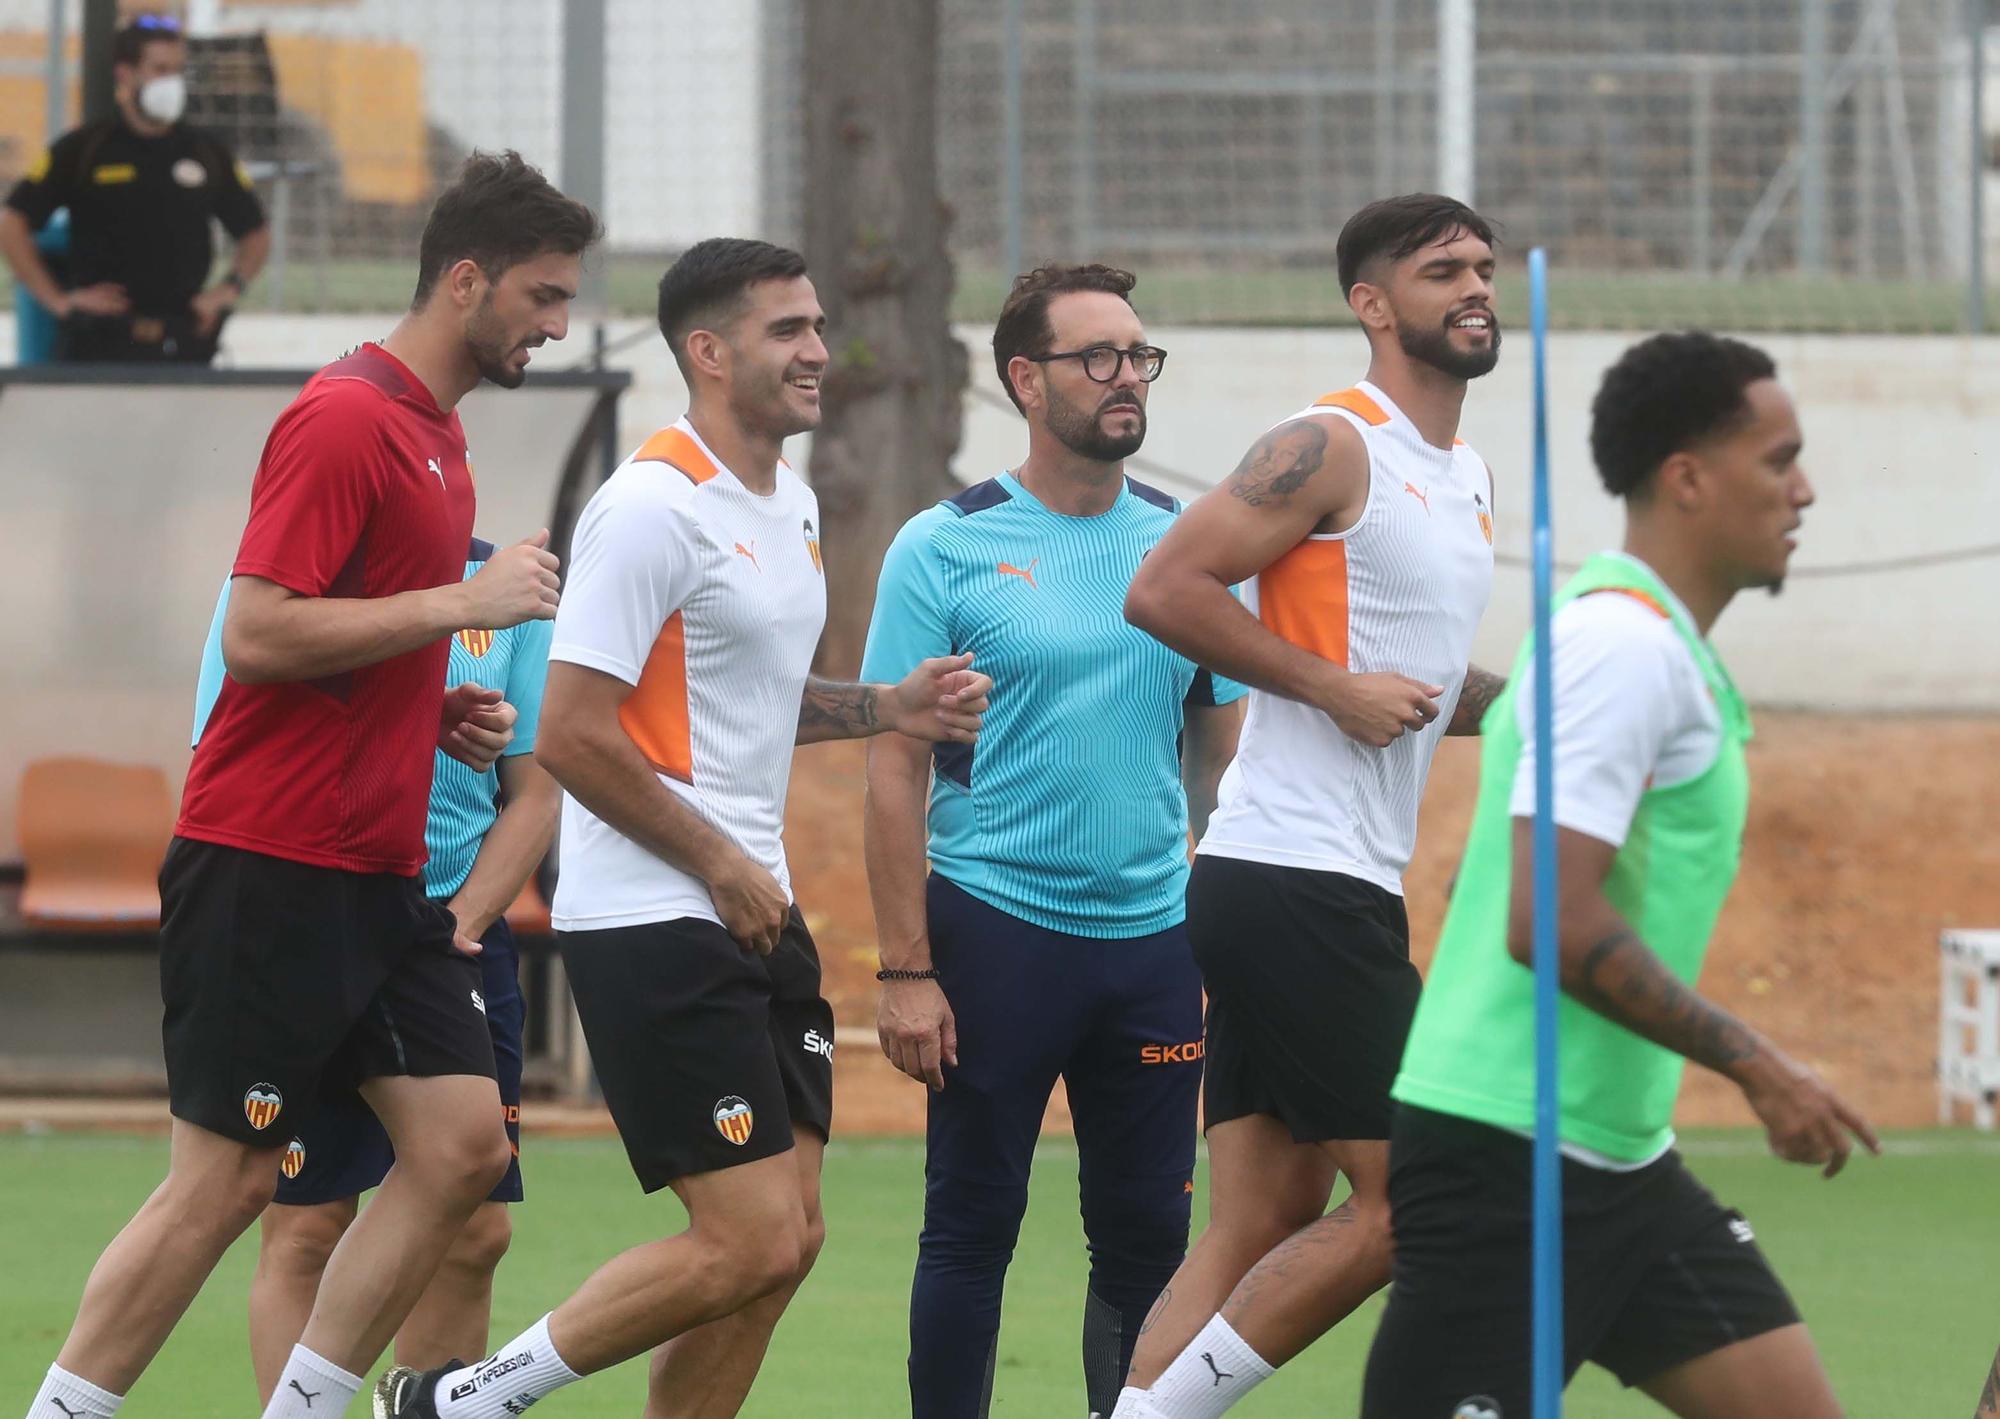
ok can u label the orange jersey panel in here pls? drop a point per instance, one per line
(672, 445)
(1354, 401)
(1303, 597)
(655, 714)
(1646, 599)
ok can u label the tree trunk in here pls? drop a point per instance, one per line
(875, 242)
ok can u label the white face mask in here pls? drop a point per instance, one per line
(164, 99)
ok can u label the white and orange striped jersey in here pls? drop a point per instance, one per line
(708, 600)
(1401, 590)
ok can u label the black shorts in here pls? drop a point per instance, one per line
(343, 1150)
(286, 985)
(137, 339)
(1656, 1272)
(1310, 996)
(708, 1053)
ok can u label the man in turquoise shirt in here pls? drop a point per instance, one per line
(480, 855)
(1048, 941)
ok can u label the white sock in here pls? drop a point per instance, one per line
(513, 1377)
(312, 1387)
(1133, 1404)
(1217, 1369)
(63, 1393)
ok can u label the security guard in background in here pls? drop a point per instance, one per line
(141, 188)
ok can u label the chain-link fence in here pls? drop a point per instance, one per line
(1800, 164)
(1759, 164)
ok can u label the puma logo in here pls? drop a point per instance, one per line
(1423, 497)
(1215, 1369)
(309, 1398)
(73, 1413)
(750, 552)
(1026, 573)
(437, 468)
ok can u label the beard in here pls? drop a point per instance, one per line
(761, 406)
(492, 347)
(1434, 348)
(1084, 434)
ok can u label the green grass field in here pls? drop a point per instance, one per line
(1892, 1265)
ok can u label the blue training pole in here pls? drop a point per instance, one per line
(1548, 1303)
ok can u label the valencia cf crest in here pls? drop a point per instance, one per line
(262, 1104)
(1485, 517)
(734, 1119)
(294, 1161)
(812, 547)
(477, 643)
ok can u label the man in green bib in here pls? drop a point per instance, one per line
(1663, 1285)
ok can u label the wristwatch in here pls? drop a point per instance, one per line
(235, 283)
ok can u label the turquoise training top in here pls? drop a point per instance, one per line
(1069, 812)
(464, 802)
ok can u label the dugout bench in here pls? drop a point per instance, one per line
(123, 491)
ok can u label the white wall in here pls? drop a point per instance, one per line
(123, 507)
(1900, 443)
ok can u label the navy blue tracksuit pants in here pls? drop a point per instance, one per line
(1119, 1021)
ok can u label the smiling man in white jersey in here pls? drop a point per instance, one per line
(678, 684)
(1662, 1285)
(1362, 532)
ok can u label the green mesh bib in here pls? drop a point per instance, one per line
(1471, 1049)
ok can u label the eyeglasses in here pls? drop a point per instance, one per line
(1101, 362)
(160, 24)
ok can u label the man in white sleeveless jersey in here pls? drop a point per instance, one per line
(1362, 533)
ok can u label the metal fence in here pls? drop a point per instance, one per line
(1809, 164)
(1756, 164)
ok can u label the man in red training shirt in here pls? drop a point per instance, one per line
(298, 955)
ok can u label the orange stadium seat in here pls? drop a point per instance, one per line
(93, 835)
(529, 915)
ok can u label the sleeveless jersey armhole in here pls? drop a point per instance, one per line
(1360, 424)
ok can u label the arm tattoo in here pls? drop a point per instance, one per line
(1482, 688)
(832, 709)
(1279, 463)
(1621, 979)
(1989, 1397)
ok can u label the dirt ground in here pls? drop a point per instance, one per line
(1867, 838)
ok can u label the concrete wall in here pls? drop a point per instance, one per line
(123, 507)
(1901, 443)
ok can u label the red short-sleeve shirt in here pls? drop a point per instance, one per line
(363, 491)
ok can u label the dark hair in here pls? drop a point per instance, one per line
(1395, 227)
(707, 286)
(499, 212)
(1023, 327)
(1664, 396)
(128, 45)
